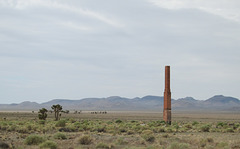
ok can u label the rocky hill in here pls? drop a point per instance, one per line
(147, 103)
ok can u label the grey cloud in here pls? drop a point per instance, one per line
(114, 48)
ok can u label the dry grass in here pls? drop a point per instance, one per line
(123, 130)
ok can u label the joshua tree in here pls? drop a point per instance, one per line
(57, 108)
(42, 114)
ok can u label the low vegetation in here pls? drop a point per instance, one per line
(34, 140)
(48, 145)
(85, 140)
(60, 136)
(117, 133)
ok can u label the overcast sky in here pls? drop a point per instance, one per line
(73, 49)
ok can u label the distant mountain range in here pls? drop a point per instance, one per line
(147, 103)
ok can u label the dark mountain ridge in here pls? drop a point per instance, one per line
(146, 103)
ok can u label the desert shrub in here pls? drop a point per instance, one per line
(130, 132)
(77, 124)
(236, 125)
(102, 145)
(195, 123)
(12, 128)
(203, 142)
(238, 130)
(34, 140)
(65, 130)
(136, 128)
(210, 140)
(176, 126)
(133, 121)
(85, 140)
(221, 124)
(161, 130)
(147, 135)
(60, 136)
(29, 127)
(22, 130)
(71, 128)
(122, 130)
(188, 126)
(169, 130)
(101, 129)
(3, 127)
(109, 122)
(205, 128)
(84, 127)
(165, 136)
(176, 145)
(4, 145)
(221, 145)
(161, 122)
(149, 138)
(42, 122)
(118, 121)
(229, 130)
(71, 120)
(48, 145)
(121, 141)
(61, 123)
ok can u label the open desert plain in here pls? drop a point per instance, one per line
(122, 129)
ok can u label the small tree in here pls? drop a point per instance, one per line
(57, 108)
(42, 114)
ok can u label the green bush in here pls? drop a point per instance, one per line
(118, 121)
(195, 123)
(48, 145)
(221, 124)
(188, 126)
(102, 145)
(101, 129)
(85, 140)
(229, 130)
(176, 145)
(12, 128)
(148, 136)
(205, 128)
(60, 136)
(61, 123)
(34, 140)
(221, 145)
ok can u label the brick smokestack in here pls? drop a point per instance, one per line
(167, 97)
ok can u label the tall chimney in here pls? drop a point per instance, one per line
(167, 97)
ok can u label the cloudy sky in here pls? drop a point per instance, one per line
(73, 49)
